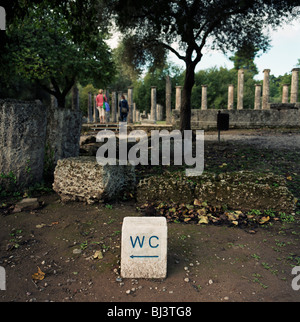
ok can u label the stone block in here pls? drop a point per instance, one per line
(83, 179)
(144, 247)
(27, 204)
(22, 142)
(145, 121)
(63, 132)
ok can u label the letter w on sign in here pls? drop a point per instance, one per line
(133, 243)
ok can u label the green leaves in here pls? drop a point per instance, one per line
(44, 47)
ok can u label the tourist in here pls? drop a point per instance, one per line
(124, 108)
(101, 99)
(107, 112)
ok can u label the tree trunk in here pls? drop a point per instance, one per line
(55, 91)
(185, 112)
(61, 95)
(61, 100)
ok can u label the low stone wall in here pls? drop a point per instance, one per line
(22, 142)
(244, 190)
(243, 119)
(83, 179)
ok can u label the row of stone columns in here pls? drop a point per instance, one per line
(285, 90)
(261, 98)
(156, 112)
(262, 95)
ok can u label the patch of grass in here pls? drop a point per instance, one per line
(286, 217)
(83, 245)
(255, 256)
(111, 221)
(256, 279)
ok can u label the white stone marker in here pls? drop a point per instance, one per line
(144, 247)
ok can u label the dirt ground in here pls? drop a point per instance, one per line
(205, 262)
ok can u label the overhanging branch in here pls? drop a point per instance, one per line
(174, 51)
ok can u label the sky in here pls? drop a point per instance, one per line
(281, 58)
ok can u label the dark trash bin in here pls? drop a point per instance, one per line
(222, 123)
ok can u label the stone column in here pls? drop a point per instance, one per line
(75, 98)
(285, 93)
(106, 93)
(295, 85)
(90, 108)
(204, 98)
(230, 97)
(114, 103)
(266, 90)
(159, 112)
(153, 103)
(178, 98)
(134, 113)
(119, 100)
(240, 90)
(257, 105)
(168, 99)
(130, 104)
(96, 112)
(137, 116)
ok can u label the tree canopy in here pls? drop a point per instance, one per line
(185, 27)
(42, 48)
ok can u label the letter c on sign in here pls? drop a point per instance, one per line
(150, 242)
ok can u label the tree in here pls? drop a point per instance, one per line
(84, 96)
(125, 73)
(244, 58)
(155, 77)
(153, 27)
(276, 86)
(84, 16)
(42, 49)
(217, 81)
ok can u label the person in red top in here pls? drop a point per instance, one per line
(100, 99)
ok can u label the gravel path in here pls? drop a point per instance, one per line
(262, 138)
(289, 140)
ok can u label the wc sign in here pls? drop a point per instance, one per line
(140, 240)
(2, 19)
(144, 247)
